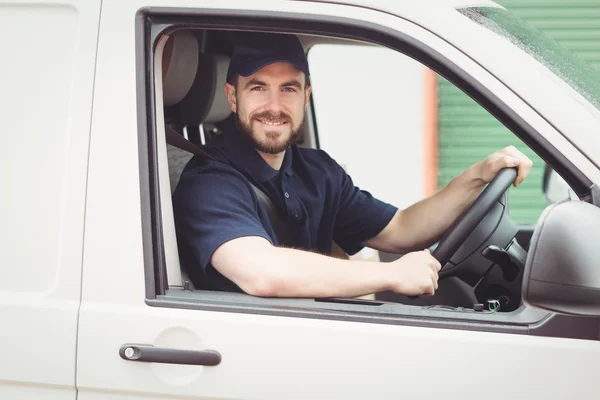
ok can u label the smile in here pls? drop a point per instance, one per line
(272, 123)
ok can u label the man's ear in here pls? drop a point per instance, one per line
(307, 93)
(230, 94)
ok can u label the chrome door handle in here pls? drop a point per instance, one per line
(149, 353)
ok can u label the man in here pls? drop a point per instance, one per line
(226, 240)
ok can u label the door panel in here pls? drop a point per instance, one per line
(294, 358)
(46, 77)
(263, 357)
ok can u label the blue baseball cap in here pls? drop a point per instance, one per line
(255, 50)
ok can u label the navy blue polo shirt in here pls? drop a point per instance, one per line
(215, 203)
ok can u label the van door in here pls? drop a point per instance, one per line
(46, 80)
(137, 343)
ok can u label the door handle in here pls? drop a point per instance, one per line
(149, 353)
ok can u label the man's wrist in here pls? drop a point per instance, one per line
(470, 179)
(385, 276)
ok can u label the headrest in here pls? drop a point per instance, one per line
(206, 101)
(179, 64)
(219, 108)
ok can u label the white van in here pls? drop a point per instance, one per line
(94, 305)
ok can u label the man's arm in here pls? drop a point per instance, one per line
(215, 213)
(424, 223)
(261, 269)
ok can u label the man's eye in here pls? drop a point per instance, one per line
(289, 89)
(257, 89)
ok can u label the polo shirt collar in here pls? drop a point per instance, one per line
(245, 157)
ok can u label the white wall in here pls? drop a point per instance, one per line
(369, 105)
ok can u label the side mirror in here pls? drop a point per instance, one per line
(562, 271)
(555, 188)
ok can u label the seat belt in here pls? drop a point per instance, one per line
(176, 140)
(282, 231)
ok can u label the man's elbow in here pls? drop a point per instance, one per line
(251, 264)
(261, 279)
(263, 285)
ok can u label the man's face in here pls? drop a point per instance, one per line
(270, 105)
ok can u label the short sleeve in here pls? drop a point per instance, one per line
(360, 216)
(213, 208)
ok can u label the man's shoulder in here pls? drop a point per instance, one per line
(211, 176)
(214, 160)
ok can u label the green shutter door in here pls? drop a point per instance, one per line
(467, 133)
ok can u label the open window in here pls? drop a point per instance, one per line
(187, 58)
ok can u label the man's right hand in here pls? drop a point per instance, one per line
(415, 274)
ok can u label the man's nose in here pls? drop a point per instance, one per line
(274, 103)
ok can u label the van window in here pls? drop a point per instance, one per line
(387, 144)
(35, 127)
(382, 91)
(379, 117)
(467, 133)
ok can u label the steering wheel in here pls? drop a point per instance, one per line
(458, 232)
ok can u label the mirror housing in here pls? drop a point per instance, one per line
(562, 270)
(555, 188)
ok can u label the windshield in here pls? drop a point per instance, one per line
(570, 68)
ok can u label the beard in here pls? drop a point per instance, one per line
(271, 144)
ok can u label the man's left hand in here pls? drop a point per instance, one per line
(488, 168)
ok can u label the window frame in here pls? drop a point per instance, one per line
(152, 23)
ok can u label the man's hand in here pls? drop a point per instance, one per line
(488, 168)
(415, 274)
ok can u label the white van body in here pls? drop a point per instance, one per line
(73, 287)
